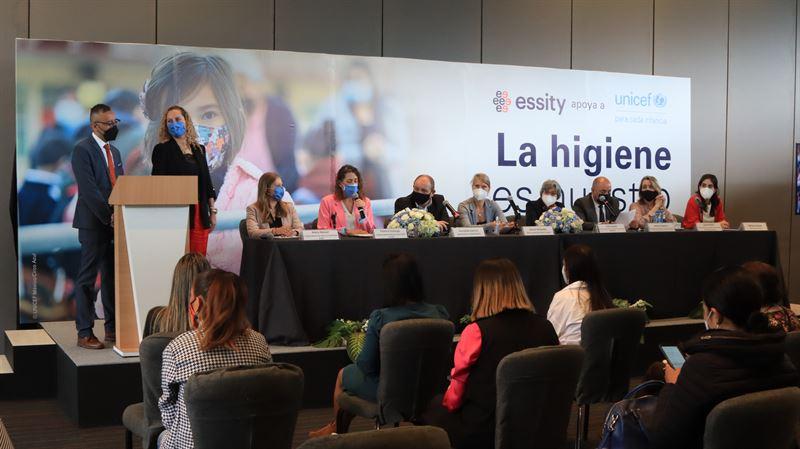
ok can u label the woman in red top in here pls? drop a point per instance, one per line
(504, 322)
(705, 206)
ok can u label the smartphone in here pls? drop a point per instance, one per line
(673, 355)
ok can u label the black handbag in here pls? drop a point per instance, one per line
(624, 427)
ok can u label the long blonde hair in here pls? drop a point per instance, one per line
(175, 316)
(262, 202)
(497, 287)
(163, 131)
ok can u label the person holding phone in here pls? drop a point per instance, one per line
(736, 355)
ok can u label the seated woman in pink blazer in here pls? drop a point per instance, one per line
(341, 210)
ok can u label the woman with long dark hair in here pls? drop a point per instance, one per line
(221, 337)
(404, 296)
(342, 210)
(584, 293)
(705, 206)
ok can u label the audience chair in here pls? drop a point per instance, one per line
(245, 407)
(144, 418)
(243, 230)
(763, 420)
(415, 356)
(793, 347)
(416, 437)
(610, 339)
(535, 389)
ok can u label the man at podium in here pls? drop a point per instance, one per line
(96, 165)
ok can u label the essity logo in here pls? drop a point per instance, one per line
(658, 100)
(501, 101)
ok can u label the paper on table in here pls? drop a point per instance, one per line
(625, 218)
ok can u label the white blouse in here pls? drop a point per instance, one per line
(567, 310)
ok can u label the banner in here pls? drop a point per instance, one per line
(303, 115)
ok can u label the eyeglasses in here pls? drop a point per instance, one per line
(110, 122)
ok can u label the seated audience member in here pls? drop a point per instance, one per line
(504, 323)
(735, 356)
(548, 199)
(424, 197)
(651, 205)
(341, 210)
(599, 206)
(221, 337)
(480, 210)
(584, 293)
(270, 215)
(705, 206)
(175, 316)
(774, 306)
(404, 295)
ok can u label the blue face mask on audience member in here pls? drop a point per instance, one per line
(350, 190)
(278, 193)
(176, 129)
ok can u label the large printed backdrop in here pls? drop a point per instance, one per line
(303, 115)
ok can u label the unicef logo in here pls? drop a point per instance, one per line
(660, 100)
(501, 101)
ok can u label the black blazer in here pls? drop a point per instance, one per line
(535, 209)
(584, 208)
(92, 210)
(168, 159)
(437, 208)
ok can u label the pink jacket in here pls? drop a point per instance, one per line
(330, 206)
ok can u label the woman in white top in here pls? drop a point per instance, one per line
(584, 293)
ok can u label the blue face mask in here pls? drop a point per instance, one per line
(176, 129)
(350, 190)
(279, 191)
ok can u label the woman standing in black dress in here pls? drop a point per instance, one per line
(179, 154)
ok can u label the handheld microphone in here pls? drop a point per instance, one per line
(333, 219)
(361, 212)
(449, 207)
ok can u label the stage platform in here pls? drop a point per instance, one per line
(95, 386)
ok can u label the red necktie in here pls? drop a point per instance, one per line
(111, 173)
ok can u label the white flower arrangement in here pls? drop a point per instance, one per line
(563, 221)
(416, 222)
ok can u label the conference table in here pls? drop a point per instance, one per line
(297, 288)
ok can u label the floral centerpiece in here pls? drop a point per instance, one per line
(416, 222)
(345, 333)
(563, 221)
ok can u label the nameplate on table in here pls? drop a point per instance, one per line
(397, 233)
(476, 231)
(320, 234)
(537, 230)
(660, 227)
(754, 226)
(610, 228)
(708, 227)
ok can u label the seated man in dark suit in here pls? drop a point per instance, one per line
(598, 206)
(424, 197)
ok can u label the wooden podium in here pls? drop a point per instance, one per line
(151, 232)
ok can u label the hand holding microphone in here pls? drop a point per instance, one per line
(360, 204)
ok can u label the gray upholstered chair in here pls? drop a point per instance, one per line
(610, 339)
(245, 407)
(763, 420)
(144, 418)
(793, 347)
(243, 230)
(417, 437)
(535, 389)
(415, 356)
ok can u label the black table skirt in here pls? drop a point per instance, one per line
(296, 288)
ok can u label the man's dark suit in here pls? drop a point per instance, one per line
(93, 221)
(584, 208)
(437, 208)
